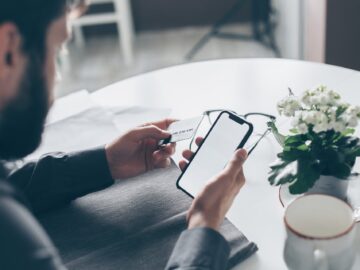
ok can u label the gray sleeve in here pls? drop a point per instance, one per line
(199, 249)
(58, 178)
(24, 244)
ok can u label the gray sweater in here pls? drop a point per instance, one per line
(54, 181)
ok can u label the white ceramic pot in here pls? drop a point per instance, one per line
(330, 185)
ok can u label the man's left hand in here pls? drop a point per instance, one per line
(137, 151)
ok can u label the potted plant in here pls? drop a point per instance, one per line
(319, 153)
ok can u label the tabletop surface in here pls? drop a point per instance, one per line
(243, 85)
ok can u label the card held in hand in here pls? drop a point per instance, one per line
(182, 130)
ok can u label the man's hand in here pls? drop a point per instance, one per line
(213, 202)
(137, 151)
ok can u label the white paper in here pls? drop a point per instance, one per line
(88, 129)
(70, 105)
(126, 118)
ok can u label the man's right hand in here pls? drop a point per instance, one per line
(213, 202)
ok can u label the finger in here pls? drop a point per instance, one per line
(182, 165)
(163, 124)
(237, 161)
(169, 148)
(240, 178)
(187, 154)
(148, 132)
(199, 141)
(165, 163)
(164, 152)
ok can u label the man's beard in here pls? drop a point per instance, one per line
(22, 121)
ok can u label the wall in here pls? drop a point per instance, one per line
(314, 30)
(343, 33)
(160, 14)
(289, 27)
(166, 14)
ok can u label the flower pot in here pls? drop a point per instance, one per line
(330, 185)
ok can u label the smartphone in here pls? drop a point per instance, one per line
(228, 133)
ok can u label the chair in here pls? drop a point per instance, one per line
(122, 16)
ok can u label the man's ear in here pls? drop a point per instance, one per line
(10, 49)
(12, 62)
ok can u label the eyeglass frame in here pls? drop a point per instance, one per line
(207, 113)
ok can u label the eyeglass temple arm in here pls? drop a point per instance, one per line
(272, 117)
(258, 141)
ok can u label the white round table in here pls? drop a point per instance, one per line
(243, 85)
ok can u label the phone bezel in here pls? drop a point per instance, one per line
(232, 116)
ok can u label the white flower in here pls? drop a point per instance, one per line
(349, 119)
(353, 110)
(352, 122)
(332, 113)
(288, 106)
(302, 128)
(338, 126)
(314, 100)
(322, 122)
(318, 120)
(321, 110)
(320, 127)
(324, 99)
(309, 117)
(305, 98)
(333, 96)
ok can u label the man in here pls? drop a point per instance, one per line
(31, 34)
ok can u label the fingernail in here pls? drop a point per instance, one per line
(243, 154)
(166, 133)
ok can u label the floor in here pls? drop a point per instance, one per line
(100, 62)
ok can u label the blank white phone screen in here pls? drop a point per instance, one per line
(215, 152)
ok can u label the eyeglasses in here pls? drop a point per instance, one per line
(76, 8)
(259, 120)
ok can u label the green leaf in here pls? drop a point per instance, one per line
(290, 154)
(288, 178)
(348, 131)
(342, 171)
(348, 142)
(276, 168)
(355, 151)
(295, 140)
(282, 173)
(340, 110)
(303, 147)
(278, 165)
(279, 137)
(330, 157)
(307, 175)
(298, 187)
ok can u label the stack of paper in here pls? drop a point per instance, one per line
(76, 122)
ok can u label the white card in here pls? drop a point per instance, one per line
(182, 130)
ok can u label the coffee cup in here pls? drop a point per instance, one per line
(320, 233)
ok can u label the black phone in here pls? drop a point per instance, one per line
(228, 133)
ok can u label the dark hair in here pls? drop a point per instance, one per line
(32, 18)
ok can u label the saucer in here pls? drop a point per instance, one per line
(353, 199)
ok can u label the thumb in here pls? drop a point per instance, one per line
(235, 164)
(149, 132)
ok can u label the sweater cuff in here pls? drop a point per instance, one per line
(94, 165)
(200, 247)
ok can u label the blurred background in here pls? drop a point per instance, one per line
(117, 39)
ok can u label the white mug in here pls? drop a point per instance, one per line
(320, 233)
